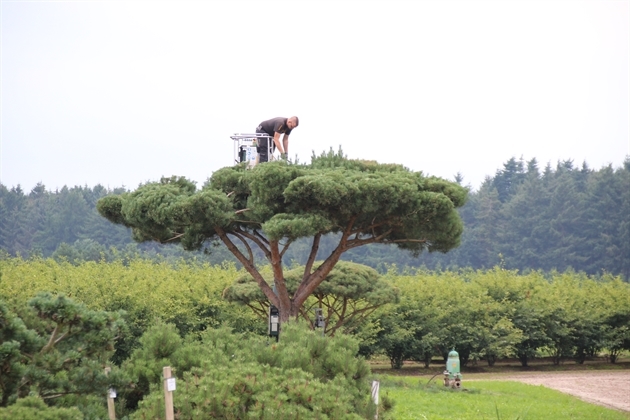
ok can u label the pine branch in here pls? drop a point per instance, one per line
(257, 240)
(361, 242)
(51, 341)
(285, 247)
(251, 269)
(249, 249)
(312, 255)
(64, 335)
(310, 283)
(59, 394)
(177, 236)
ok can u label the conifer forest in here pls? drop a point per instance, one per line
(525, 217)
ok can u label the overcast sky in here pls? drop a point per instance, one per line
(123, 92)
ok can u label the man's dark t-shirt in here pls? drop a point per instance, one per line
(274, 125)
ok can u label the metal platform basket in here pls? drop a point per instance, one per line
(245, 147)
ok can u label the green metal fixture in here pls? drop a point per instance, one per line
(452, 374)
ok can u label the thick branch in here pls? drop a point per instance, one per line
(285, 247)
(61, 337)
(360, 242)
(179, 235)
(257, 240)
(312, 255)
(249, 249)
(278, 276)
(397, 241)
(262, 238)
(310, 283)
(51, 341)
(59, 394)
(251, 269)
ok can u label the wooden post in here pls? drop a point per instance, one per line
(168, 394)
(375, 390)
(111, 410)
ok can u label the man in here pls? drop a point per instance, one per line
(274, 127)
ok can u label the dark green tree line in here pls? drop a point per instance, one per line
(524, 217)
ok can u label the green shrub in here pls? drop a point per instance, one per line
(57, 350)
(229, 376)
(34, 408)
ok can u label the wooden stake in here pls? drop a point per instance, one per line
(168, 395)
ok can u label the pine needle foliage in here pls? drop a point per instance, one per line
(234, 376)
(57, 352)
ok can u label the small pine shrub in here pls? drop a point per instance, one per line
(34, 408)
(304, 376)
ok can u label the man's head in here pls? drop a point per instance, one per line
(293, 122)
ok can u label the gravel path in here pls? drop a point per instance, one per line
(610, 389)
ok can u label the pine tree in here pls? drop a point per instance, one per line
(276, 203)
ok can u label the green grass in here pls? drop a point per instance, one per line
(486, 400)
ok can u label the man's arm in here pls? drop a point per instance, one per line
(285, 143)
(276, 140)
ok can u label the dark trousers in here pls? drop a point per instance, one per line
(263, 147)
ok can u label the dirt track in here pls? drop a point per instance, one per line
(610, 389)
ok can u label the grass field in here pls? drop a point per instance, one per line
(414, 400)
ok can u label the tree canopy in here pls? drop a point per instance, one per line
(277, 203)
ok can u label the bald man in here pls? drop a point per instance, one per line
(274, 127)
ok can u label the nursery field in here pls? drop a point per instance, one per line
(513, 332)
(538, 395)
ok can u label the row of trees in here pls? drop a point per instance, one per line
(485, 314)
(522, 217)
(497, 314)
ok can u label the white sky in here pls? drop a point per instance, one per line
(124, 92)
